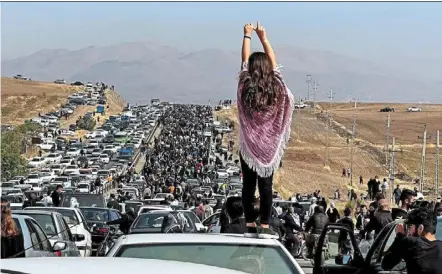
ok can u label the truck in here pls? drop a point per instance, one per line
(100, 109)
(126, 153)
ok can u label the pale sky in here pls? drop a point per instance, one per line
(401, 32)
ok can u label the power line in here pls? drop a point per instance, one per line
(387, 144)
(436, 188)
(308, 80)
(329, 117)
(353, 133)
(315, 89)
(424, 148)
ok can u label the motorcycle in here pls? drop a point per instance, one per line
(301, 251)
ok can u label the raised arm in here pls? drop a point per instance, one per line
(261, 32)
(245, 53)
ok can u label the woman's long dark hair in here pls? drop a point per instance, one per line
(261, 88)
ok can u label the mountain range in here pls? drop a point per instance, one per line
(141, 71)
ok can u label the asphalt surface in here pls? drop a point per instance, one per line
(306, 266)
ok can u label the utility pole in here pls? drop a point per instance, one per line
(355, 100)
(392, 168)
(437, 164)
(329, 117)
(424, 148)
(353, 134)
(315, 89)
(308, 80)
(387, 145)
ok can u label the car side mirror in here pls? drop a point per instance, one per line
(59, 246)
(78, 237)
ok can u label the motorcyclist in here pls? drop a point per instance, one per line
(315, 225)
(125, 221)
(292, 224)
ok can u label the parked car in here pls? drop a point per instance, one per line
(56, 228)
(36, 242)
(77, 224)
(414, 109)
(387, 109)
(37, 162)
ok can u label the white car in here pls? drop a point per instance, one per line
(73, 151)
(213, 223)
(111, 148)
(37, 186)
(149, 208)
(37, 162)
(65, 162)
(77, 224)
(47, 177)
(90, 135)
(62, 180)
(72, 169)
(47, 145)
(104, 158)
(414, 109)
(233, 169)
(232, 252)
(34, 178)
(53, 158)
(222, 174)
(57, 168)
(83, 187)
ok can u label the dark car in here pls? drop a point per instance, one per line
(387, 109)
(84, 200)
(77, 83)
(341, 253)
(96, 218)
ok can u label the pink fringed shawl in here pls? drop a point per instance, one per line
(263, 136)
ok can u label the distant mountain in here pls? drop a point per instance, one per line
(141, 71)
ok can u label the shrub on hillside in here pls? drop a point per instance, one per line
(86, 123)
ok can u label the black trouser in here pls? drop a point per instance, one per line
(292, 243)
(248, 194)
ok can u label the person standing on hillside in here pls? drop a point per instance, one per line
(265, 108)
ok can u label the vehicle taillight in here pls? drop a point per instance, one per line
(103, 230)
(58, 253)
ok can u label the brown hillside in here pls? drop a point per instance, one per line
(303, 164)
(22, 100)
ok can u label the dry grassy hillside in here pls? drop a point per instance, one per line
(22, 100)
(303, 164)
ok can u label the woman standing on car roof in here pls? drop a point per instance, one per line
(265, 107)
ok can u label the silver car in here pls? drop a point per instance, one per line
(36, 243)
(56, 228)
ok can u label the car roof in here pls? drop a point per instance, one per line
(32, 211)
(105, 265)
(195, 238)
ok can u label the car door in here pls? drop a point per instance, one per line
(380, 248)
(337, 251)
(43, 245)
(65, 233)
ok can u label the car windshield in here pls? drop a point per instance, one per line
(46, 222)
(246, 258)
(34, 184)
(85, 200)
(190, 215)
(8, 184)
(95, 214)
(150, 220)
(33, 176)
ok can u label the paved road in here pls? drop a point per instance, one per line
(140, 164)
(305, 265)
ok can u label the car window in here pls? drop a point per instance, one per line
(245, 258)
(36, 245)
(63, 228)
(46, 245)
(338, 242)
(68, 229)
(46, 223)
(114, 215)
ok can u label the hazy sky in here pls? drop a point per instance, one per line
(383, 31)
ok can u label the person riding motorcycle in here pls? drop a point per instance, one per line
(291, 224)
(315, 225)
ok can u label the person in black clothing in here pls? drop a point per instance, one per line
(12, 242)
(32, 201)
(56, 198)
(113, 202)
(316, 224)
(235, 211)
(332, 213)
(125, 221)
(292, 242)
(421, 251)
(344, 244)
(407, 198)
(380, 218)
